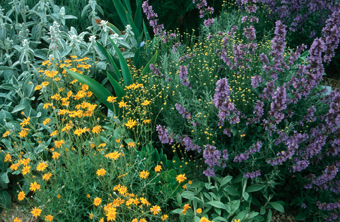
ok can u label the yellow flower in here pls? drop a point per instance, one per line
(59, 144)
(131, 144)
(144, 174)
(8, 158)
(180, 178)
(14, 167)
(21, 195)
(113, 155)
(17, 220)
(47, 176)
(122, 190)
(25, 122)
(34, 186)
(199, 210)
(146, 102)
(25, 162)
(54, 133)
(101, 172)
(6, 133)
(111, 214)
(49, 218)
(185, 208)
(96, 129)
(58, 196)
(144, 201)
(23, 133)
(147, 121)
(134, 220)
(102, 145)
(164, 217)
(97, 201)
(45, 83)
(158, 168)
(142, 220)
(189, 182)
(91, 216)
(236, 220)
(204, 219)
(38, 87)
(46, 105)
(36, 212)
(131, 123)
(41, 166)
(155, 209)
(184, 186)
(46, 120)
(122, 104)
(56, 155)
(45, 62)
(26, 169)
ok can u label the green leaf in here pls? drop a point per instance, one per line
(219, 219)
(128, 6)
(245, 195)
(134, 29)
(235, 205)
(125, 69)
(112, 26)
(96, 88)
(106, 54)
(121, 11)
(146, 33)
(255, 187)
(269, 216)
(5, 68)
(277, 206)
(226, 180)
(138, 15)
(232, 191)
(241, 215)
(301, 216)
(147, 66)
(252, 214)
(5, 199)
(262, 210)
(4, 177)
(136, 59)
(217, 204)
(18, 108)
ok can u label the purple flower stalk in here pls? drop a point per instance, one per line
(163, 135)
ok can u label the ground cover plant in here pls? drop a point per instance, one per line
(226, 126)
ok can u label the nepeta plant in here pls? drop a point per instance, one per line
(286, 125)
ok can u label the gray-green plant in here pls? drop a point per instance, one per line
(225, 199)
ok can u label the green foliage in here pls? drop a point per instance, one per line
(225, 199)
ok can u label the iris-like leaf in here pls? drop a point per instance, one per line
(96, 88)
(125, 69)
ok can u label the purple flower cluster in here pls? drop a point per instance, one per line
(279, 104)
(221, 101)
(244, 156)
(174, 47)
(331, 33)
(202, 5)
(183, 73)
(249, 33)
(252, 175)
(182, 111)
(328, 175)
(189, 145)
(163, 135)
(328, 206)
(156, 71)
(187, 56)
(150, 15)
(208, 22)
(255, 81)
